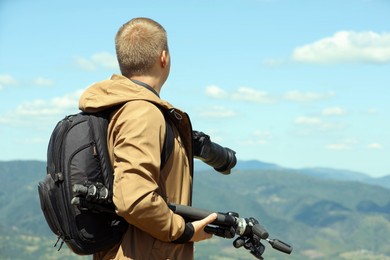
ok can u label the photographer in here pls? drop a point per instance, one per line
(136, 135)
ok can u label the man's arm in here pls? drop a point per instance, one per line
(138, 141)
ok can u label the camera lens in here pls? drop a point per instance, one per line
(222, 159)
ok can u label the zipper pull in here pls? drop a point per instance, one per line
(58, 239)
(176, 114)
(62, 242)
(94, 150)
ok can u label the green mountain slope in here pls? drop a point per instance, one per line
(321, 219)
(318, 217)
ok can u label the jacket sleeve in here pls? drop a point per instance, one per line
(138, 137)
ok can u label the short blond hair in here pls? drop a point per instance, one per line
(138, 45)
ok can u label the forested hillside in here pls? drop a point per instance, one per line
(321, 218)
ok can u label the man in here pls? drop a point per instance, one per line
(136, 135)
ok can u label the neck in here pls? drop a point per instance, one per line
(145, 85)
(152, 81)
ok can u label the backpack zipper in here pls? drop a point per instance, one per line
(64, 206)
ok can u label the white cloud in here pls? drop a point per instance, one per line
(40, 111)
(6, 80)
(372, 111)
(340, 146)
(299, 96)
(218, 112)
(374, 146)
(333, 111)
(262, 137)
(241, 94)
(263, 97)
(85, 64)
(252, 95)
(271, 62)
(105, 59)
(216, 92)
(98, 60)
(343, 145)
(305, 120)
(313, 124)
(346, 47)
(41, 81)
(257, 138)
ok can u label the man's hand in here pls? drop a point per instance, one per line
(199, 225)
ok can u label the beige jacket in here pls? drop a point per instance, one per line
(136, 136)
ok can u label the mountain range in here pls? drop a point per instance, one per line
(320, 172)
(322, 213)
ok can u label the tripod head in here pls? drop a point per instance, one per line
(227, 225)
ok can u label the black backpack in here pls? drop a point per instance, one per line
(76, 194)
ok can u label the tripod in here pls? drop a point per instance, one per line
(227, 225)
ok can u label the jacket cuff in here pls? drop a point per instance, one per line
(187, 234)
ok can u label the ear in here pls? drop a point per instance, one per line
(164, 58)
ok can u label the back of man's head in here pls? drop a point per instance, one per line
(139, 44)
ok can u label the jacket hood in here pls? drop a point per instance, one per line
(115, 91)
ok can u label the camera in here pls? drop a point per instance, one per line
(222, 159)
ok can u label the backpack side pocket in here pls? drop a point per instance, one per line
(47, 191)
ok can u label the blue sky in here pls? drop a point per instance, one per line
(296, 83)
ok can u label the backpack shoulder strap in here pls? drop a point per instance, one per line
(168, 141)
(169, 135)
